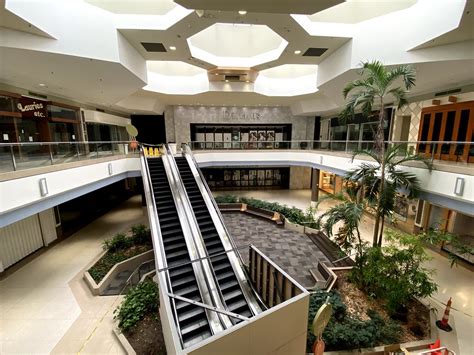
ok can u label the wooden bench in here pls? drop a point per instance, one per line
(323, 276)
(266, 214)
(230, 207)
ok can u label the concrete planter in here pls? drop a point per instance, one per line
(132, 263)
(293, 226)
(124, 342)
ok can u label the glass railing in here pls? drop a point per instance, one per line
(20, 156)
(436, 150)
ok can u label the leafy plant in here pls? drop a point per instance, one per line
(118, 242)
(395, 272)
(141, 234)
(226, 199)
(140, 300)
(348, 332)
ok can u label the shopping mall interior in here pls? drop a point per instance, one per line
(236, 177)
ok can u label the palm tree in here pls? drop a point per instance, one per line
(381, 181)
(377, 86)
(349, 212)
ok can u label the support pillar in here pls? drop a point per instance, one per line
(315, 187)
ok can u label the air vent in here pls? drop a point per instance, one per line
(448, 92)
(39, 96)
(99, 110)
(314, 52)
(232, 77)
(154, 47)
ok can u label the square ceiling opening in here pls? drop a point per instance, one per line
(153, 47)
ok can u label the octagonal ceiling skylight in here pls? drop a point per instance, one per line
(236, 45)
(288, 80)
(173, 77)
(135, 7)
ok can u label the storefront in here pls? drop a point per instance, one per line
(32, 119)
(249, 136)
(247, 178)
(330, 183)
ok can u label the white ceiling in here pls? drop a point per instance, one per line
(98, 58)
(135, 7)
(354, 11)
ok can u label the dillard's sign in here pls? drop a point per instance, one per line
(32, 108)
(232, 115)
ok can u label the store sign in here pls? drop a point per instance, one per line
(231, 115)
(32, 108)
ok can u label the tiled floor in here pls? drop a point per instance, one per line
(456, 282)
(294, 252)
(45, 306)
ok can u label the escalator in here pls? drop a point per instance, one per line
(193, 322)
(230, 288)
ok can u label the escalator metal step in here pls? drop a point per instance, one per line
(231, 295)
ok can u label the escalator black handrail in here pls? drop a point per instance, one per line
(191, 218)
(188, 152)
(156, 230)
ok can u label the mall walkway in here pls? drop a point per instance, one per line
(45, 306)
(456, 282)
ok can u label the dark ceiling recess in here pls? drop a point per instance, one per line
(314, 52)
(154, 47)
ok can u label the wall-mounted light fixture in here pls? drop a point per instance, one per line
(110, 169)
(43, 185)
(459, 186)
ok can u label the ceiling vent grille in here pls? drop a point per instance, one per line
(154, 47)
(232, 77)
(314, 52)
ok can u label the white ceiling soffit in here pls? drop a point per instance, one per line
(340, 20)
(288, 80)
(237, 45)
(135, 7)
(14, 22)
(464, 32)
(266, 6)
(354, 11)
(173, 78)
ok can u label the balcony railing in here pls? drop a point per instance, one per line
(20, 156)
(437, 150)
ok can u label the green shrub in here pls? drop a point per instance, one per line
(395, 272)
(226, 199)
(141, 234)
(118, 242)
(140, 300)
(102, 267)
(348, 332)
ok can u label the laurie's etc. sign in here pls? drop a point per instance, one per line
(32, 108)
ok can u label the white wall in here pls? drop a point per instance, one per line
(25, 191)
(437, 182)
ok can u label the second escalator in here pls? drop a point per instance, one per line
(226, 278)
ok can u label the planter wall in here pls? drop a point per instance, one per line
(293, 226)
(132, 263)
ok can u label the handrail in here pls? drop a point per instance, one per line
(58, 143)
(157, 239)
(210, 277)
(334, 141)
(129, 282)
(199, 272)
(228, 243)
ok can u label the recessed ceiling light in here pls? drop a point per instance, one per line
(173, 48)
(298, 52)
(247, 81)
(216, 74)
(42, 84)
(227, 81)
(242, 12)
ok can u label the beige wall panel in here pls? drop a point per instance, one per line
(18, 240)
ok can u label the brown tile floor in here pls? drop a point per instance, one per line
(294, 252)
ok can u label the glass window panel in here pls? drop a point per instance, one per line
(62, 112)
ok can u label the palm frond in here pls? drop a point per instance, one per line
(406, 72)
(366, 152)
(400, 96)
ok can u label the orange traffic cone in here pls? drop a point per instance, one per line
(443, 323)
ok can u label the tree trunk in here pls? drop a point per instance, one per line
(381, 230)
(380, 149)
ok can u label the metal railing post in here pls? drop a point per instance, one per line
(13, 157)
